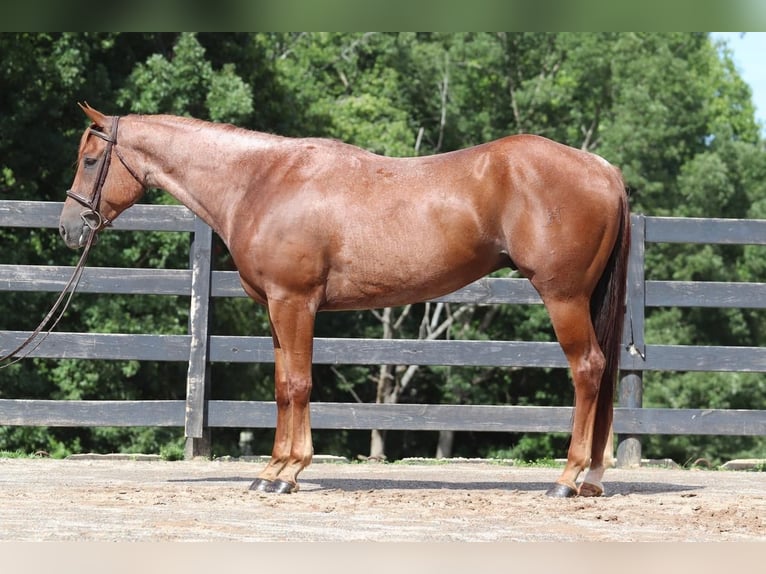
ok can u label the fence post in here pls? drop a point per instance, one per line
(196, 431)
(631, 383)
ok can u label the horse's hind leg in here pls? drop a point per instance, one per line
(601, 450)
(292, 326)
(574, 330)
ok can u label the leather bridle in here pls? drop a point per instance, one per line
(94, 219)
(92, 216)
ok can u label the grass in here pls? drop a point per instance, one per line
(539, 463)
(17, 454)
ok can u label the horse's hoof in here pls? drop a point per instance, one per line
(277, 486)
(283, 487)
(262, 485)
(559, 490)
(591, 489)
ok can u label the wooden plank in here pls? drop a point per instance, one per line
(691, 358)
(633, 327)
(356, 416)
(103, 346)
(376, 352)
(30, 213)
(630, 395)
(705, 230)
(396, 352)
(634, 343)
(705, 294)
(489, 353)
(22, 412)
(690, 421)
(226, 284)
(96, 280)
(360, 416)
(197, 380)
(142, 217)
(491, 418)
(486, 291)
(482, 418)
(493, 290)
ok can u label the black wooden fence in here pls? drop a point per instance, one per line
(198, 415)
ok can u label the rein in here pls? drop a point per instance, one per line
(93, 218)
(65, 297)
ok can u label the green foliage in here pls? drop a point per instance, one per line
(542, 449)
(669, 108)
(14, 454)
(185, 83)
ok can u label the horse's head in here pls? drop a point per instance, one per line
(103, 187)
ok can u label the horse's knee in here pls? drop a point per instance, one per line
(293, 390)
(299, 388)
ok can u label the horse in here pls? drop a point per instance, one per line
(316, 224)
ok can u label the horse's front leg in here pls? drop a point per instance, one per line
(280, 452)
(292, 326)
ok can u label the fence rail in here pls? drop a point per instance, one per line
(198, 348)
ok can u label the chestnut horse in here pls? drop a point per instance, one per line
(316, 224)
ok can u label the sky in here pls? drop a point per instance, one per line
(748, 51)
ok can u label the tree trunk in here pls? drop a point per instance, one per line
(392, 380)
(444, 447)
(386, 389)
(377, 445)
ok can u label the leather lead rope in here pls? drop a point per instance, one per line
(64, 298)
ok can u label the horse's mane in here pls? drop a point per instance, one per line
(171, 120)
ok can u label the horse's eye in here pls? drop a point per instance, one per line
(89, 161)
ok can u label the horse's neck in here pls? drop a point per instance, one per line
(197, 163)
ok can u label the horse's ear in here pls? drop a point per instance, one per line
(95, 116)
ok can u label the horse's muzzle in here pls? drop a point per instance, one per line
(75, 237)
(77, 223)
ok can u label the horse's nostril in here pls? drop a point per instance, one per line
(62, 231)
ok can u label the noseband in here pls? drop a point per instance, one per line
(92, 216)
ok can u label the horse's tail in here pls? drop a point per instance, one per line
(608, 314)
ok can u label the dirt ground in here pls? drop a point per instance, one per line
(119, 500)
